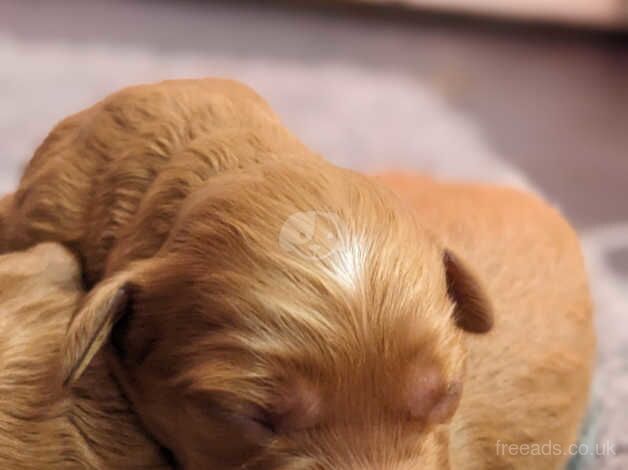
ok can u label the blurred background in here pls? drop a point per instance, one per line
(532, 93)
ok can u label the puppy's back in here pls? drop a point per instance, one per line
(132, 158)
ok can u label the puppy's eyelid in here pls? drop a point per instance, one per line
(255, 421)
(265, 422)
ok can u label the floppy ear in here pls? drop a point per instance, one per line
(473, 311)
(91, 326)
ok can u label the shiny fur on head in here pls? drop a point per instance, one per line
(241, 345)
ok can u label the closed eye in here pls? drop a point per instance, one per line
(254, 423)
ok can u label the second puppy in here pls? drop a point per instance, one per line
(43, 426)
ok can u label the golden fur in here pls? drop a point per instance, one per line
(42, 425)
(529, 378)
(240, 344)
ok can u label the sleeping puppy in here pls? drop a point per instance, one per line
(261, 308)
(43, 426)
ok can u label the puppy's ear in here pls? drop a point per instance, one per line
(473, 311)
(91, 326)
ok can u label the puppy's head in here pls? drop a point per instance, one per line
(297, 318)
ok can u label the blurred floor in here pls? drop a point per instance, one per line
(535, 108)
(555, 105)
